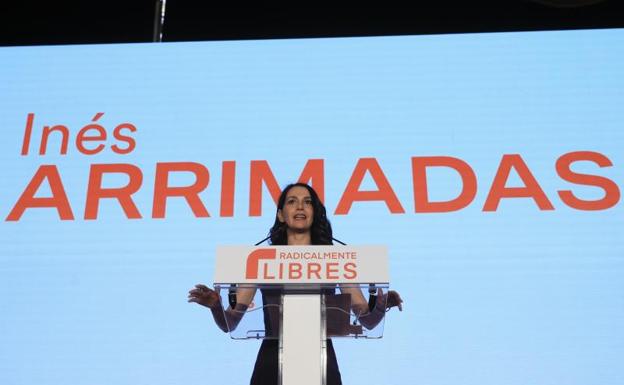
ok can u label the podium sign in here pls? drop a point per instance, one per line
(276, 265)
(302, 276)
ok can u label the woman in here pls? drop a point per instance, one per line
(301, 219)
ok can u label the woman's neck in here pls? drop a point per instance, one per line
(295, 239)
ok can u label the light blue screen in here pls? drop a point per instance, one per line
(515, 296)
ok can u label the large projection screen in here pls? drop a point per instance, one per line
(489, 164)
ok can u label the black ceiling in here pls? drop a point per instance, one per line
(90, 22)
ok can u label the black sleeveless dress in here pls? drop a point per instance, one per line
(266, 367)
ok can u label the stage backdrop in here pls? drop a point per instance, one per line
(490, 165)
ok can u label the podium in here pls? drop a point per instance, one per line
(301, 296)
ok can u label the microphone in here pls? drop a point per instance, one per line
(264, 239)
(271, 232)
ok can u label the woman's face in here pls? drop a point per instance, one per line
(298, 212)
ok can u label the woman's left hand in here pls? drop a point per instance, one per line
(392, 299)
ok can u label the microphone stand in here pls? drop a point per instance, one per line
(267, 238)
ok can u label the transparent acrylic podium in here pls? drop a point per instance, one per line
(261, 319)
(301, 296)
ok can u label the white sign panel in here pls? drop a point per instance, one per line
(301, 264)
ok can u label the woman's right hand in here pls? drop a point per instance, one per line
(205, 296)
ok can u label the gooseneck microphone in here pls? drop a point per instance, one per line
(265, 239)
(271, 234)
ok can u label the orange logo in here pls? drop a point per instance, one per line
(253, 260)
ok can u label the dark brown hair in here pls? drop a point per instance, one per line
(320, 232)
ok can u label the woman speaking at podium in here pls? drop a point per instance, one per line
(301, 219)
